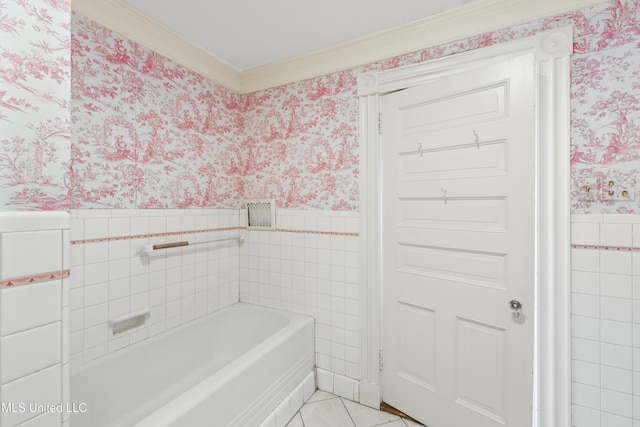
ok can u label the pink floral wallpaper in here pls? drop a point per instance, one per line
(34, 104)
(149, 133)
(605, 95)
(301, 143)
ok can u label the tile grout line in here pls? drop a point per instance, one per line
(347, 410)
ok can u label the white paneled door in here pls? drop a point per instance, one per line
(458, 230)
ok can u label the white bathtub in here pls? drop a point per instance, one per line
(230, 368)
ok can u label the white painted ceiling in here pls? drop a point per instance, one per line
(250, 33)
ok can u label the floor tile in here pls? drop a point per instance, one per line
(326, 413)
(364, 416)
(328, 410)
(296, 421)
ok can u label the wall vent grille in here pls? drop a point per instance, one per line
(261, 214)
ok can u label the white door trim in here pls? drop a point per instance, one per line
(552, 376)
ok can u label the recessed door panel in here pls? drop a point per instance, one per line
(481, 368)
(482, 214)
(417, 345)
(458, 265)
(478, 104)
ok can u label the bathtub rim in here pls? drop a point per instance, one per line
(211, 383)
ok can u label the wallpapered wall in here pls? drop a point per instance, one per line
(301, 143)
(147, 132)
(34, 104)
(150, 133)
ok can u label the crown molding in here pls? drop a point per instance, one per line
(470, 19)
(128, 21)
(473, 18)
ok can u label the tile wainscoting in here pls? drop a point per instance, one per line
(606, 320)
(311, 265)
(112, 275)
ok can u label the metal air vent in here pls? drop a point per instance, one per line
(261, 214)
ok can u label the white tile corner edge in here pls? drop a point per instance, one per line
(309, 386)
(325, 380)
(33, 221)
(285, 410)
(339, 385)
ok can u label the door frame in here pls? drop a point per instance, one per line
(552, 336)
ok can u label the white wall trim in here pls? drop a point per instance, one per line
(446, 27)
(552, 49)
(370, 239)
(554, 243)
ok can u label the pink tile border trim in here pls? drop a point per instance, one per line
(148, 236)
(607, 248)
(328, 233)
(33, 279)
(210, 230)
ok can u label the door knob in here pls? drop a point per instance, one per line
(516, 307)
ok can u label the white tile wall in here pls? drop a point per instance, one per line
(114, 277)
(32, 317)
(38, 388)
(30, 351)
(606, 321)
(47, 419)
(338, 384)
(19, 250)
(310, 273)
(30, 306)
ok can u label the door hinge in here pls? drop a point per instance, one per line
(380, 123)
(380, 359)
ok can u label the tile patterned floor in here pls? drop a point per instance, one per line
(327, 410)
